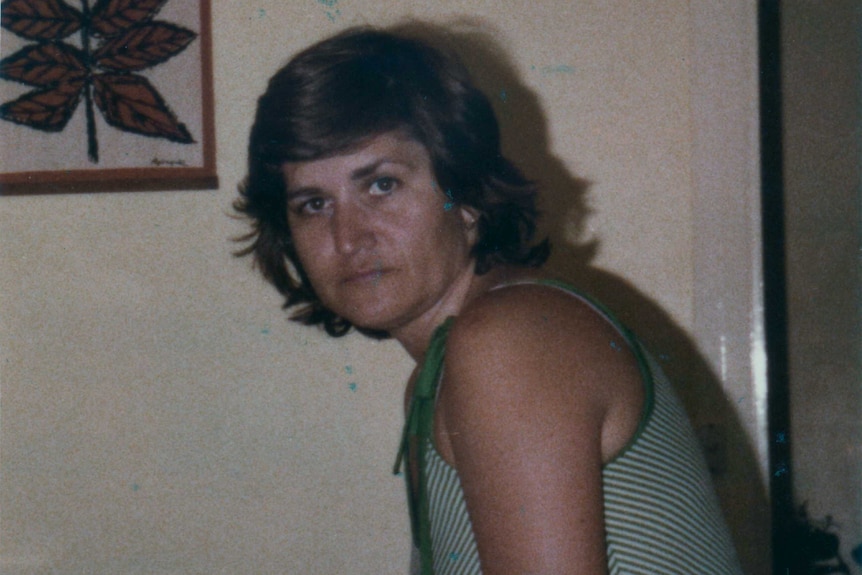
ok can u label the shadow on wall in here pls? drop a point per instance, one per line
(565, 205)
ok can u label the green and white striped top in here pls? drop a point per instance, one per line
(661, 514)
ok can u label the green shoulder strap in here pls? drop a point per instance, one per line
(418, 430)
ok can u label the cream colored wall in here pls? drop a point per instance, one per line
(160, 416)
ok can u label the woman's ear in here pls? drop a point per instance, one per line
(469, 216)
(469, 219)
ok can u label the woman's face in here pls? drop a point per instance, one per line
(380, 242)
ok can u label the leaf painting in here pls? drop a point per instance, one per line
(115, 39)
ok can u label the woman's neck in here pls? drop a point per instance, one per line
(416, 336)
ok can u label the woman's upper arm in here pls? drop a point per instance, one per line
(525, 397)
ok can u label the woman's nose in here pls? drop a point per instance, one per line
(352, 229)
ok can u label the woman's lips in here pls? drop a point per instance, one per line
(371, 275)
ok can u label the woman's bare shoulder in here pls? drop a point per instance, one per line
(532, 377)
(532, 318)
(536, 345)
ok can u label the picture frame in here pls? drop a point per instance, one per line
(106, 95)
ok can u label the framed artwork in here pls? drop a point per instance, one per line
(106, 95)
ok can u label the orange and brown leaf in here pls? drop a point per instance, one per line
(130, 103)
(143, 46)
(40, 19)
(48, 110)
(44, 65)
(112, 17)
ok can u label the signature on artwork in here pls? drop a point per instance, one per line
(160, 162)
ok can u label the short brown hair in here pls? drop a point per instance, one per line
(358, 84)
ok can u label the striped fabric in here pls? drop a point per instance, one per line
(451, 533)
(661, 514)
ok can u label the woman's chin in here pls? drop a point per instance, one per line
(372, 324)
(370, 318)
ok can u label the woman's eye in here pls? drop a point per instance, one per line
(310, 206)
(383, 185)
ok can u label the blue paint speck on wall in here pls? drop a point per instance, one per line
(331, 14)
(559, 69)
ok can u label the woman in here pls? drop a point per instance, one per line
(540, 437)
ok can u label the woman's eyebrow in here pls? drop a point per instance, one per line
(365, 171)
(358, 174)
(293, 193)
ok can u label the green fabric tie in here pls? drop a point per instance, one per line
(418, 430)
